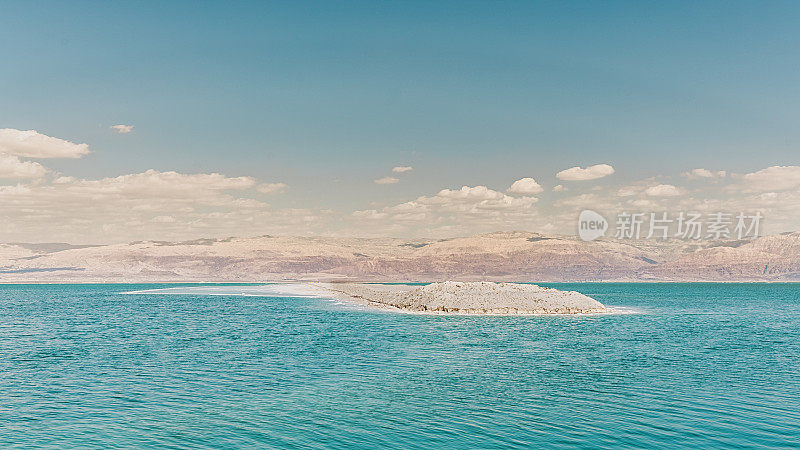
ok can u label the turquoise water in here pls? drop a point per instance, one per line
(701, 365)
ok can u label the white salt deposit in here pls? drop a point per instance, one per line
(471, 298)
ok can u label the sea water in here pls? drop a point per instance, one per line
(711, 365)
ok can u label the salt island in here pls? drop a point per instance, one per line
(468, 298)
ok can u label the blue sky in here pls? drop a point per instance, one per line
(327, 97)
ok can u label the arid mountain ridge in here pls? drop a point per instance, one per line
(502, 256)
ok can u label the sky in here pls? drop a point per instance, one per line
(403, 119)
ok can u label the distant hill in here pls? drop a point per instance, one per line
(508, 256)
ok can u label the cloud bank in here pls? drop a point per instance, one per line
(40, 204)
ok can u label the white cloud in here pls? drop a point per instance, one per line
(386, 180)
(122, 129)
(559, 188)
(32, 144)
(663, 190)
(64, 180)
(271, 188)
(402, 169)
(695, 174)
(590, 173)
(774, 178)
(470, 194)
(13, 167)
(525, 186)
(370, 214)
(626, 191)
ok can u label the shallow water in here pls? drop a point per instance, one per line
(701, 365)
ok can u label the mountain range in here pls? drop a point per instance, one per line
(501, 256)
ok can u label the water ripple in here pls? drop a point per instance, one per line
(707, 365)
